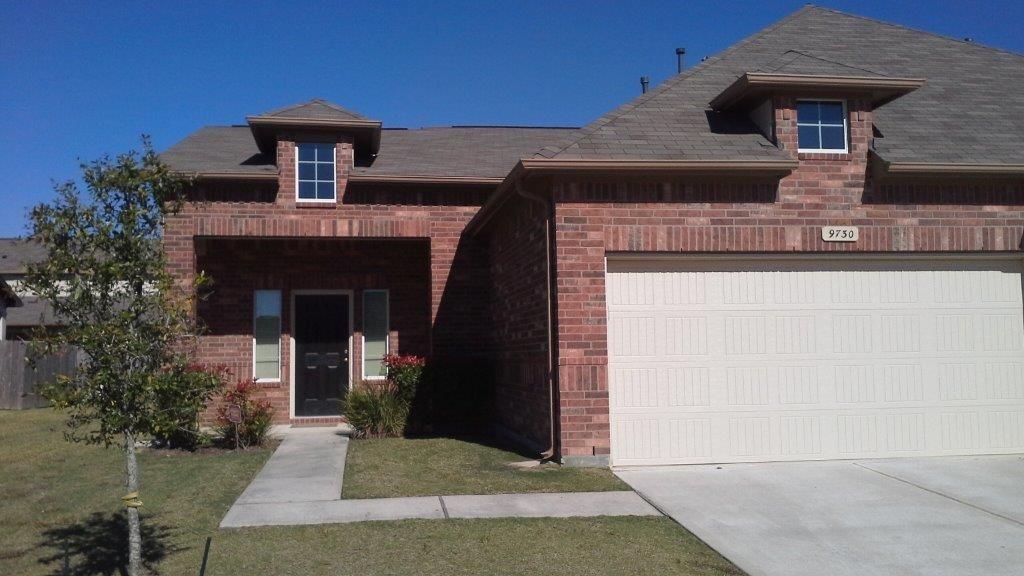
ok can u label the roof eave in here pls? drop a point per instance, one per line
(660, 167)
(222, 176)
(425, 179)
(923, 169)
(264, 129)
(753, 84)
(547, 166)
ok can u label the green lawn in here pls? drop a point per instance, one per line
(506, 547)
(56, 496)
(387, 467)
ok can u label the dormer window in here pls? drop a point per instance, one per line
(821, 126)
(316, 174)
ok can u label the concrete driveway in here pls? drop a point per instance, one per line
(908, 516)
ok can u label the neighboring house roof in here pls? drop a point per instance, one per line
(34, 311)
(17, 253)
(969, 111)
(470, 152)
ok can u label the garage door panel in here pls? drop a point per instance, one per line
(804, 360)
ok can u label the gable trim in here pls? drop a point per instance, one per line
(751, 84)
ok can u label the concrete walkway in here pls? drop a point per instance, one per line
(301, 484)
(555, 505)
(308, 466)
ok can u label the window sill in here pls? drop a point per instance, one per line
(316, 204)
(838, 156)
(268, 382)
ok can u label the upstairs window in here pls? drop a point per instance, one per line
(316, 173)
(821, 126)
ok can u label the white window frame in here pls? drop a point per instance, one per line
(387, 333)
(846, 129)
(280, 337)
(334, 175)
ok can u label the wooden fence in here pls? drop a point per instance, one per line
(20, 381)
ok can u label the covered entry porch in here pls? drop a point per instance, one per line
(310, 318)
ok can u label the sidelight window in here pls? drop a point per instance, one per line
(266, 332)
(375, 332)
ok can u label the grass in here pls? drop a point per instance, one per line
(56, 496)
(506, 547)
(388, 467)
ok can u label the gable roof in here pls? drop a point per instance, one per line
(970, 110)
(315, 109)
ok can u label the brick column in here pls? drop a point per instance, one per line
(582, 332)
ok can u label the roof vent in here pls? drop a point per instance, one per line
(644, 82)
(968, 39)
(680, 52)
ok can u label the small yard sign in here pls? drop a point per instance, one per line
(840, 233)
(234, 414)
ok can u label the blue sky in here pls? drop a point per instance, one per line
(86, 78)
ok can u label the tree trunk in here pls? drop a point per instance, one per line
(134, 532)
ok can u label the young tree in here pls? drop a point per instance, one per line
(105, 276)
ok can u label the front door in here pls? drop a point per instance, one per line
(321, 353)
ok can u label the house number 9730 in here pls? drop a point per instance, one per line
(840, 233)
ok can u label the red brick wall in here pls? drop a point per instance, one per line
(518, 277)
(435, 215)
(596, 216)
(241, 266)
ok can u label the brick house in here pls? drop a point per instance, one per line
(805, 247)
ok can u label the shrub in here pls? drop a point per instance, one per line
(180, 394)
(257, 416)
(375, 409)
(380, 408)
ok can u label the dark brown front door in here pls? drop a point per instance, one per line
(321, 353)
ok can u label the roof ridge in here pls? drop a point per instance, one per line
(913, 29)
(830, 61)
(674, 80)
(334, 106)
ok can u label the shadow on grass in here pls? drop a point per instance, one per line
(98, 545)
(480, 437)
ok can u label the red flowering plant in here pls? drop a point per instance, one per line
(404, 373)
(255, 415)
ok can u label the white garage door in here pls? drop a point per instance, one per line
(760, 360)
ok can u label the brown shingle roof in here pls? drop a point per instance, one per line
(970, 110)
(481, 152)
(17, 253)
